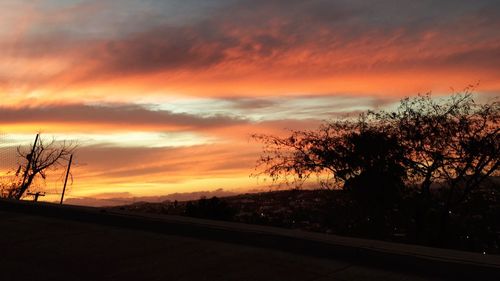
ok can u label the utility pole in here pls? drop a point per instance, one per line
(66, 179)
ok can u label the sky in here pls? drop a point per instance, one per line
(162, 96)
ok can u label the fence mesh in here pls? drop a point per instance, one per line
(8, 153)
(8, 163)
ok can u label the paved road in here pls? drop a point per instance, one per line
(44, 248)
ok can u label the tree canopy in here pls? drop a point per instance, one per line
(451, 141)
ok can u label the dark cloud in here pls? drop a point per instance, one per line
(486, 58)
(163, 49)
(139, 42)
(128, 115)
(257, 31)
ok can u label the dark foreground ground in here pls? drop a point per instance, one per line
(79, 245)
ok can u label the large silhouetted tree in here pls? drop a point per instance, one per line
(452, 143)
(359, 155)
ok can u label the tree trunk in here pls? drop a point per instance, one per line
(22, 189)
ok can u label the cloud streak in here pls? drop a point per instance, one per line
(122, 116)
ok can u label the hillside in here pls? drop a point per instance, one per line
(335, 212)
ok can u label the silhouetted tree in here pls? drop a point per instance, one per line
(447, 140)
(38, 160)
(451, 142)
(378, 159)
(358, 155)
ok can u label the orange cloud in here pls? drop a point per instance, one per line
(283, 53)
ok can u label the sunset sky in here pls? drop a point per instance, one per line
(162, 96)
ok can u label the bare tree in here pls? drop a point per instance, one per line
(346, 152)
(38, 160)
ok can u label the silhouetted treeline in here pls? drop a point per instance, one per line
(213, 208)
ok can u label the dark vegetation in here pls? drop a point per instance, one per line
(213, 208)
(425, 173)
(431, 159)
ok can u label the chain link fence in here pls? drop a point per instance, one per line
(8, 152)
(8, 163)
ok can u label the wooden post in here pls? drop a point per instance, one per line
(66, 179)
